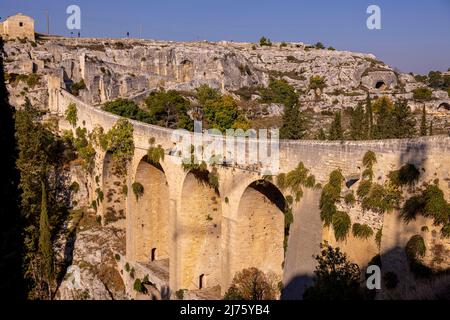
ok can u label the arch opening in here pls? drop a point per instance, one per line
(200, 234)
(112, 191)
(258, 240)
(149, 214)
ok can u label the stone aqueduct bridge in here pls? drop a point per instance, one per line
(208, 236)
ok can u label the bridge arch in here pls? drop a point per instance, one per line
(149, 214)
(199, 233)
(258, 236)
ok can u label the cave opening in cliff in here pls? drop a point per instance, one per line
(380, 85)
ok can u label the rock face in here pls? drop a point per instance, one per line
(90, 253)
(116, 68)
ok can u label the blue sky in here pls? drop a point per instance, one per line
(415, 35)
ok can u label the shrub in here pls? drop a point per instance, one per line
(341, 225)
(436, 206)
(422, 94)
(378, 237)
(406, 175)
(362, 231)
(369, 159)
(413, 207)
(132, 271)
(100, 194)
(125, 190)
(336, 278)
(138, 190)
(180, 294)
(265, 42)
(350, 199)
(319, 45)
(128, 109)
(330, 195)
(368, 174)
(446, 231)
(364, 188)
(155, 155)
(75, 187)
(377, 200)
(121, 144)
(77, 86)
(279, 91)
(71, 114)
(415, 248)
(317, 82)
(139, 286)
(252, 284)
(127, 267)
(117, 256)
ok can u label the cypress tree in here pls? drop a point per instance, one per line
(295, 124)
(45, 244)
(336, 128)
(423, 123)
(403, 124)
(358, 127)
(321, 135)
(369, 117)
(431, 128)
(384, 126)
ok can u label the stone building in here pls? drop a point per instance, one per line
(17, 26)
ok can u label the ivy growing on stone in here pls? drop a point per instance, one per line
(71, 114)
(362, 231)
(155, 154)
(138, 190)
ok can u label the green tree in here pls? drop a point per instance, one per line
(45, 244)
(223, 113)
(431, 128)
(251, 284)
(422, 94)
(335, 277)
(336, 128)
(404, 124)
(358, 126)
(319, 45)
(384, 125)
(71, 114)
(369, 117)
(265, 42)
(169, 109)
(206, 93)
(295, 123)
(423, 123)
(128, 109)
(121, 144)
(321, 135)
(279, 91)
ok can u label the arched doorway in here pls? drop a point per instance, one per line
(199, 233)
(112, 194)
(149, 214)
(258, 237)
